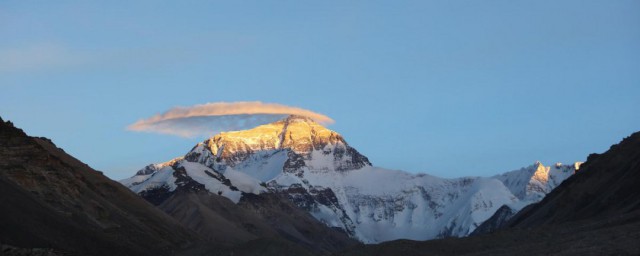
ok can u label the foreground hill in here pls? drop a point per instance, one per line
(595, 212)
(51, 200)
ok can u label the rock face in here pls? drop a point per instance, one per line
(264, 216)
(320, 173)
(51, 200)
(497, 221)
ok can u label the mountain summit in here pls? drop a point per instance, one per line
(305, 142)
(317, 171)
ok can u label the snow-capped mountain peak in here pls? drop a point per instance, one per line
(305, 142)
(320, 173)
(532, 183)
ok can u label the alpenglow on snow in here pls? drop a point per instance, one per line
(320, 173)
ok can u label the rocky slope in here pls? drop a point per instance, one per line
(499, 219)
(255, 217)
(51, 200)
(320, 173)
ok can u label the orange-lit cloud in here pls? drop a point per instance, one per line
(211, 118)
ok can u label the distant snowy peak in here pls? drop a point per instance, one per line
(532, 183)
(179, 174)
(149, 169)
(307, 143)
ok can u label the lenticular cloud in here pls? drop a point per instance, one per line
(208, 119)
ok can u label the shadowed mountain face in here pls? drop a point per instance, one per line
(497, 221)
(595, 212)
(267, 217)
(51, 200)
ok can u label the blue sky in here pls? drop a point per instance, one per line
(451, 88)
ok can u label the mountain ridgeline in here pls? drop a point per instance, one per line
(50, 200)
(317, 172)
(294, 187)
(595, 212)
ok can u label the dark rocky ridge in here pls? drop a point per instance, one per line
(52, 200)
